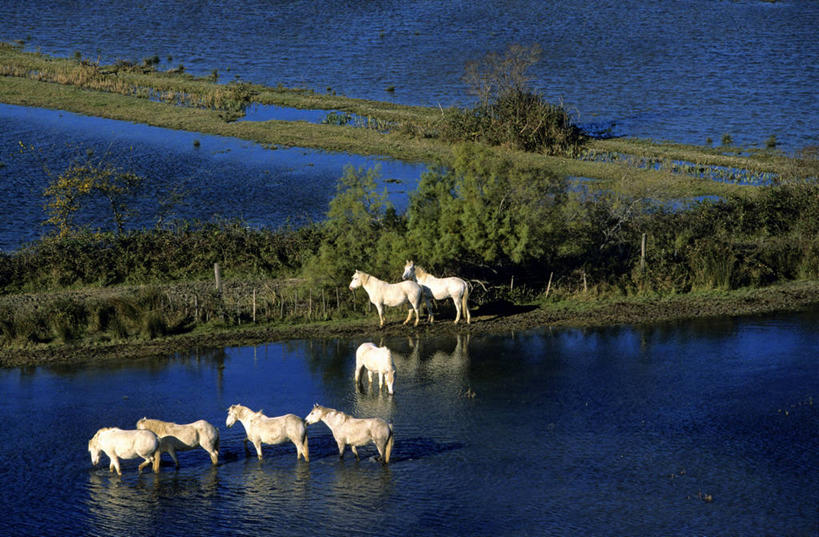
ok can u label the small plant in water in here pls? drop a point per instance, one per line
(771, 143)
(727, 139)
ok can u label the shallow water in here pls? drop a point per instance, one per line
(221, 177)
(682, 71)
(620, 431)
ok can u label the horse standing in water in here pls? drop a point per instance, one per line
(354, 432)
(262, 429)
(126, 444)
(375, 360)
(441, 288)
(383, 294)
(174, 437)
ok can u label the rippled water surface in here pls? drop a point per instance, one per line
(622, 431)
(683, 71)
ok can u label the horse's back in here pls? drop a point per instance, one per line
(396, 294)
(130, 442)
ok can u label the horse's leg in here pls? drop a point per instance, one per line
(115, 464)
(172, 453)
(380, 381)
(457, 309)
(341, 446)
(214, 455)
(258, 445)
(417, 314)
(355, 452)
(409, 316)
(370, 377)
(380, 309)
(144, 463)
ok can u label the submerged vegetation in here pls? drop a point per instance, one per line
(504, 206)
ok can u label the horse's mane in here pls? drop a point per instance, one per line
(419, 271)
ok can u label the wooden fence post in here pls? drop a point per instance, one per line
(643, 253)
(218, 275)
(549, 285)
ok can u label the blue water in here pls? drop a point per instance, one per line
(220, 178)
(681, 71)
(619, 431)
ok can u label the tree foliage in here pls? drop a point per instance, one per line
(66, 193)
(509, 112)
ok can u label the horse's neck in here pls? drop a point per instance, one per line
(422, 275)
(334, 418)
(244, 415)
(371, 282)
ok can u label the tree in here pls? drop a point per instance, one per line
(66, 192)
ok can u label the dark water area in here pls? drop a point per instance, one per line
(618, 431)
(220, 177)
(681, 71)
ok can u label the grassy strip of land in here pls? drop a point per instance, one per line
(572, 312)
(142, 94)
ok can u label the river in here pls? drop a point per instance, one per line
(695, 428)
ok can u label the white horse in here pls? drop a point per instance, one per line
(383, 294)
(375, 360)
(354, 432)
(442, 288)
(174, 437)
(124, 444)
(262, 429)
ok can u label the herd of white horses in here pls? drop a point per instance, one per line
(153, 437)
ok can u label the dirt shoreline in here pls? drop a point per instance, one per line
(493, 319)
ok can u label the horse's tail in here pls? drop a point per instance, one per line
(157, 456)
(464, 305)
(388, 448)
(305, 447)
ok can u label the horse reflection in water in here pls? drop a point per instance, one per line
(354, 432)
(418, 361)
(375, 360)
(383, 294)
(130, 508)
(441, 288)
(261, 429)
(174, 437)
(124, 444)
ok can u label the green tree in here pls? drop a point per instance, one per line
(360, 229)
(486, 212)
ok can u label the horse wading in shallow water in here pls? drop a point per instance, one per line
(441, 288)
(261, 429)
(124, 444)
(375, 360)
(174, 437)
(383, 294)
(354, 432)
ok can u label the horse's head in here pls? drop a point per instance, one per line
(357, 281)
(94, 448)
(142, 423)
(409, 271)
(231, 416)
(390, 380)
(315, 415)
